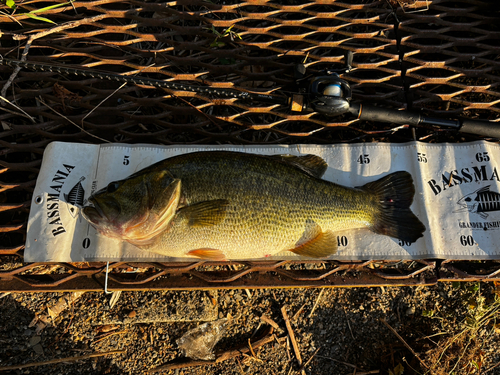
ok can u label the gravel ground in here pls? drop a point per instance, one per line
(342, 330)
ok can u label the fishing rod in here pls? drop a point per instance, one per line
(329, 95)
(136, 80)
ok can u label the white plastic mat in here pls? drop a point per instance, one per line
(457, 197)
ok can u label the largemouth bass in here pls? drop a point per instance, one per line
(231, 205)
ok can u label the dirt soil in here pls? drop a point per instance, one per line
(445, 329)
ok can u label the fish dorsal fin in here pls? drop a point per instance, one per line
(316, 243)
(205, 213)
(311, 164)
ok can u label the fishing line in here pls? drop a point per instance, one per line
(135, 80)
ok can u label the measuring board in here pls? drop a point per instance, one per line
(457, 197)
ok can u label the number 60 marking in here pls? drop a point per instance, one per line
(466, 240)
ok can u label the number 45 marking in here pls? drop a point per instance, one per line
(363, 159)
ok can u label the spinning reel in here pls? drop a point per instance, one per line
(327, 94)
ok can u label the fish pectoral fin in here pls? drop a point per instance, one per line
(206, 213)
(209, 254)
(311, 164)
(321, 246)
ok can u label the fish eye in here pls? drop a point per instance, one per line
(112, 187)
(468, 199)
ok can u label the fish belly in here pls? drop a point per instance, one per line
(262, 227)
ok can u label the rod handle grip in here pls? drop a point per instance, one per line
(485, 128)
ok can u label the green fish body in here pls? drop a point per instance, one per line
(231, 205)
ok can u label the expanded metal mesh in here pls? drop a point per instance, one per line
(439, 55)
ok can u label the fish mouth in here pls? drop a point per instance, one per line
(93, 213)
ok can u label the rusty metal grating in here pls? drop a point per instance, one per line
(439, 55)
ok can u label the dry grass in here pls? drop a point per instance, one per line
(458, 347)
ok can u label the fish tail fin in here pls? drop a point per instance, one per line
(394, 195)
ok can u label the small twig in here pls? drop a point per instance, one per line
(60, 360)
(19, 109)
(110, 334)
(196, 108)
(43, 320)
(348, 324)
(102, 101)
(356, 368)
(71, 122)
(251, 349)
(110, 95)
(308, 361)
(287, 346)
(65, 26)
(404, 342)
(492, 367)
(251, 357)
(269, 321)
(299, 311)
(317, 301)
(344, 363)
(41, 34)
(292, 336)
(245, 349)
(239, 365)
(256, 330)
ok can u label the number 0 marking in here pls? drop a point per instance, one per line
(86, 243)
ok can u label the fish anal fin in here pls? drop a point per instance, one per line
(311, 164)
(208, 254)
(321, 246)
(206, 213)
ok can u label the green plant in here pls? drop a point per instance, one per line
(398, 370)
(228, 32)
(34, 13)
